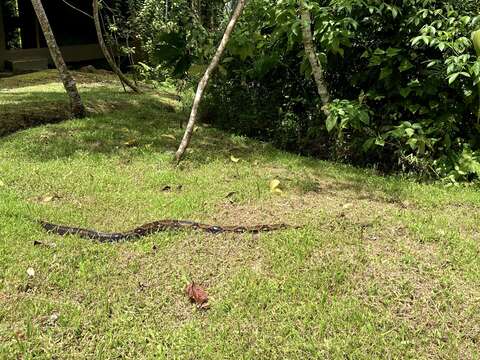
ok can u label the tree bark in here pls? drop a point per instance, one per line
(206, 77)
(78, 110)
(309, 46)
(106, 53)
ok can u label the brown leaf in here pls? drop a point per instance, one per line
(20, 335)
(197, 295)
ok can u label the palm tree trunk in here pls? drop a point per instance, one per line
(78, 110)
(309, 46)
(206, 77)
(106, 53)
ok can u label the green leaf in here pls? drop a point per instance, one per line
(453, 77)
(393, 52)
(405, 65)
(367, 145)
(331, 122)
(413, 143)
(296, 28)
(379, 51)
(409, 132)
(385, 72)
(404, 92)
(364, 117)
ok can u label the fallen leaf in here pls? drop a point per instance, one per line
(168, 136)
(20, 335)
(31, 272)
(234, 159)
(49, 198)
(49, 320)
(347, 206)
(275, 186)
(54, 317)
(231, 197)
(131, 142)
(197, 295)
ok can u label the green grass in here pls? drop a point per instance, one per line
(380, 268)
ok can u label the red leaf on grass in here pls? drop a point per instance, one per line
(197, 295)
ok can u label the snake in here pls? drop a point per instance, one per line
(155, 227)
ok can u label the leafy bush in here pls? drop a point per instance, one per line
(405, 77)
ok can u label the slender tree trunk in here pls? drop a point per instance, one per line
(206, 77)
(309, 46)
(106, 53)
(78, 110)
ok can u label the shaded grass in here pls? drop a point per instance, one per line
(381, 268)
(38, 98)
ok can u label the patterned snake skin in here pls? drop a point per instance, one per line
(154, 227)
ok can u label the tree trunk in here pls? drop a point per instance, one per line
(78, 110)
(309, 46)
(206, 77)
(106, 53)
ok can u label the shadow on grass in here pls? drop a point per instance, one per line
(29, 109)
(148, 124)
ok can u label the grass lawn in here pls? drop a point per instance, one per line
(380, 268)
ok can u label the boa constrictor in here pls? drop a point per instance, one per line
(154, 227)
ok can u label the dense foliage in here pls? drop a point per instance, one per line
(175, 35)
(404, 76)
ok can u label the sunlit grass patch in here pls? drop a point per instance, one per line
(379, 268)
